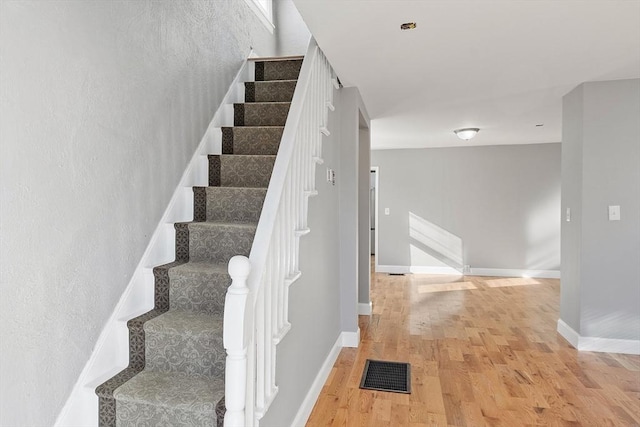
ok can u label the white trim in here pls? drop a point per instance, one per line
(497, 272)
(321, 378)
(609, 345)
(265, 16)
(393, 269)
(376, 196)
(351, 339)
(596, 344)
(568, 333)
(514, 272)
(111, 353)
(365, 308)
(416, 269)
(257, 58)
(434, 270)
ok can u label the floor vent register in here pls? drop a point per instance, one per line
(386, 376)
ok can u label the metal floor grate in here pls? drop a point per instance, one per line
(386, 376)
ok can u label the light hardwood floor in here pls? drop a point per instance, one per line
(484, 352)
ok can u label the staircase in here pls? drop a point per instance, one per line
(176, 366)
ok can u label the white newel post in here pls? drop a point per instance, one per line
(235, 341)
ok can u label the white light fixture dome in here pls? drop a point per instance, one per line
(466, 133)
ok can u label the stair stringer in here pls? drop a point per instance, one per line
(81, 407)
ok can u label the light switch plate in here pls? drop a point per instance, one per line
(331, 176)
(614, 213)
(386, 211)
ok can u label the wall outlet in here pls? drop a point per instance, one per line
(386, 211)
(466, 269)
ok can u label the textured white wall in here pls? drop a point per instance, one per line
(102, 105)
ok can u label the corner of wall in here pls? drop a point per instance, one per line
(596, 344)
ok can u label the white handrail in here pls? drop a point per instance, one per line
(274, 255)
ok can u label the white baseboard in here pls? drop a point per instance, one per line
(351, 339)
(111, 353)
(393, 269)
(497, 272)
(416, 269)
(601, 345)
(514, 272)
(365, 308)
(344, 340)
(568, 333)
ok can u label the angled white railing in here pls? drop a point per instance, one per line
(256, 306)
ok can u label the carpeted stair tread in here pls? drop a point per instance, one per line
(234, 204)
(224, 224)
(186, 342)
(270, 91)
(199, 287)
(217, 242)
(201, 267)
(173, 390)
(277, 70)
(184, 322)
(251, 139)
(261, 113)
(246, 170)
(107, 388)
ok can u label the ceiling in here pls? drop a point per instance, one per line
(502, 66)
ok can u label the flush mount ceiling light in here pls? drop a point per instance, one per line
(408, 26)
(466, 133)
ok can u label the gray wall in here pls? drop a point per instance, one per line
(292, 33)
(347, 177)
(354, 202)
(601, 291)
(572, 119)
(487, 207)
(323, 302)
(314, 300)
(364, 218)
(103, 104)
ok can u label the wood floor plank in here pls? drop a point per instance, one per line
(484, 351)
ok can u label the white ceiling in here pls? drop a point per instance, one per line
(502, 66)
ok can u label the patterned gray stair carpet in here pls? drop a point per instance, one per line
(176, 366)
